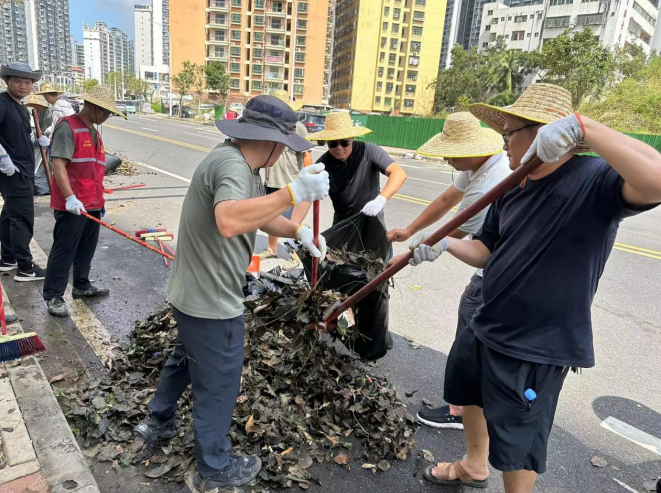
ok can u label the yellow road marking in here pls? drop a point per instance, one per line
(623, 247)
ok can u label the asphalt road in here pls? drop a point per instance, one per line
(626, 383)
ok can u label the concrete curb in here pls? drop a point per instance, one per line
(40, 437)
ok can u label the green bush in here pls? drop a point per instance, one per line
(157, 107)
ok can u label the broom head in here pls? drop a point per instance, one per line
(19, 346)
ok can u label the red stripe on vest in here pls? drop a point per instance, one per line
(85, 170)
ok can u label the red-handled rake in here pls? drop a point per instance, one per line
(17, 346)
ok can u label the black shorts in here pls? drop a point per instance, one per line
(470, 301)
(518, 429)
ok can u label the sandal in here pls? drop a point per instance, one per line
(443, 476)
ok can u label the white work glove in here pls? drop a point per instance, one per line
(425, 253)
(556, 139)
(373, 207)
(74, 205)
(44, 141)
(306, 237)
(7, 166)
(312, 183)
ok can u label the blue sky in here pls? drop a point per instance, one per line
(115, 13)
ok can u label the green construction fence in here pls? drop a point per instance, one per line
(411, 132)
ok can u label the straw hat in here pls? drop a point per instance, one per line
(462, 136)
(283, 96)
(102, 97)
(37, 100)
(541, 103)
(48, 88)
(339, 126)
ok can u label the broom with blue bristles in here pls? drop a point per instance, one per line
(18, 346)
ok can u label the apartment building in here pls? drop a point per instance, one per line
(265, 45)
(386, 54)
(528, 27)
(656, 39)
(152, 43)
(107, 50)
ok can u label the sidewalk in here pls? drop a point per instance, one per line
(40, 452)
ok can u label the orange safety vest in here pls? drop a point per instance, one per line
(85, 169)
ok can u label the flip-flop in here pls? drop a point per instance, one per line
(443, 479)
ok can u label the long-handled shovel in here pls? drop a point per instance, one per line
(488, 198)
(315, 230)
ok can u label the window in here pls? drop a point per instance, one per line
(537, 35)
(298, 89)
(234, 83)
(236, 18)
(643, 13)
(414, 60)
(300, 40)
(557, 21)
(256, 69)
(393, 44)
(302, 24)
(412, 75)
(384, 41)
(494, 20)
(392, 58)
(382, 57)
(489, 12)
(235, 67)
(388, 101)
(418, 16)
(561, 2)
(416, 45)
(502, 19)
(395, 28)
(520, 18)
(528, 35)
(221, 19)
(417, 31)
(259, 37)
(236, 3)
(259, 4)
(259, 20)
(256, 85)
(421, 2)
(220, 36)
(386, 11)
(588, 1)
(276, 24)
(518, 35)
(235, 50)
(300, 56)
(381, 71)
(220, 53)
(408, 103)
(377, 100)
(276, 41)
(487, 27)
(391, 73)
(302, 9)
(509, 17)
(236, 35)
(396, 13)
(258, 53)
(277, 7)
(389, 87)
(379, 86)
(385, 27)
(299, 73)
(410, 89)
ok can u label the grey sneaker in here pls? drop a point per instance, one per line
(57, 307)
(153, 429)
(241, 470)
(440, 417)
(91, 292)
(7, 266)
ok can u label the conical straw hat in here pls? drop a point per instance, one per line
(48, 88)
(102, 97)
(541, 103)
(339, 126)
(462, 136)
(37, 100)
(283, 96)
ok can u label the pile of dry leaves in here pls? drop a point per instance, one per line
(303, 400)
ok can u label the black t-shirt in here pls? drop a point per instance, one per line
(353, 183)
(550, 241)
(15, 134)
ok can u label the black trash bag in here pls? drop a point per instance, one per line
(112, 163)
(356, 234)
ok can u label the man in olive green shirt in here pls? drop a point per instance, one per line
(224, 207)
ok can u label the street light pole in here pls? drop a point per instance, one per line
(292, 52)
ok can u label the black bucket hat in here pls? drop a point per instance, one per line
(269, 119)
(19, 69)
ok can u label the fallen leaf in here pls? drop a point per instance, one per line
(251, 427)
(410, 394)
(408, 338)
(426, 455)
(305, 462)
(427, 404)
(384, 465)
(57, 378)
(367, 465)
(416, 288)
(342, 459)
(159, 471)
(599, 461)
(285, 452)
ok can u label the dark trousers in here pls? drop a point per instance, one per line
(209, 355)
(470, 301)
(16, 227)
(74, 242)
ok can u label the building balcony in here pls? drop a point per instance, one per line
(212, 24)
(278, 27)
(277, 10)
(273, 76)
(218, 6)
(274, 59)
(218, 42)
(278, 45)
(222, 57)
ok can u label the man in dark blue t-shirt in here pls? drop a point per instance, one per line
(543, 246)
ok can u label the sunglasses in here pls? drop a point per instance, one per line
(332, 144)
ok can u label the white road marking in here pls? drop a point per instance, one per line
(154, 168)
(150, 129)
(625, 486)
(217, 138)
(632, 434)
(428, 181)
